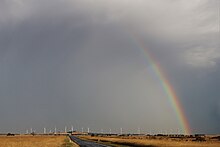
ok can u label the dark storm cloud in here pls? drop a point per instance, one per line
(75, 62)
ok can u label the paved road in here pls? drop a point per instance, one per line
(84, 143)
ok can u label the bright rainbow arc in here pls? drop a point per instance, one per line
(166, 85)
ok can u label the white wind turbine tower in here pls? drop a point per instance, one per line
(72, 128)
(178, 131)
(88, 130)
(165, 132)
(121, 130)
(45, 131)
(171, 131)
(139, 130)
(55, 130)
(65, 129)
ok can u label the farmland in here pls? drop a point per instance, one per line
(152, 142)
(35, 141)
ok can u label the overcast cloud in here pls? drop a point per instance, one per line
(75, 62)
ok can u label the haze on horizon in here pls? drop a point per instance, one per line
(75, 62)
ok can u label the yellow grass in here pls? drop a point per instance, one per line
(153, 142)
(32, 141)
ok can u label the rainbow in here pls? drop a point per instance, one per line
(166, 85)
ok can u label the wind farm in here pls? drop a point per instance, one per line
(72, 137)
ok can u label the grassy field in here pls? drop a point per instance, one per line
(131, 141)
(35, 141)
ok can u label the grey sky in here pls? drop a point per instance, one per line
(74, 62)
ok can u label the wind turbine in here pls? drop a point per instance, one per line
(178, 131)
(55, 130)
(171, 131)
(72, 128)
(45, 131)
(139, 130)
(65, 129)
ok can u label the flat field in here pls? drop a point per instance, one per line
(158, 142)
(35, 141)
